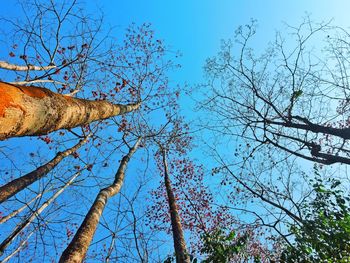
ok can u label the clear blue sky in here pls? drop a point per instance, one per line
(195, 27)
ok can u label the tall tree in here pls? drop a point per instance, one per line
(181, 252)
(289, 97)
(29, 110)
(80, 75)
(78, 247)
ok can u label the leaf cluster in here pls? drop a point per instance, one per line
(324, 235)
(222, 247)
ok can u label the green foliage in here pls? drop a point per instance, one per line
(221, 247)
(324, 235)
(297, 94)
(169, 259)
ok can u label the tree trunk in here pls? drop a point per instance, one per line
(19, 228)
(13, 187)
(29, 110)
(19, 210)
(21, 245)
(76, 250)
(178, 236)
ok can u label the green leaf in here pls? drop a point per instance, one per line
(297, 94)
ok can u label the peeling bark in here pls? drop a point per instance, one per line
(9, 66)
(29, 110)
(178, 236)
(76, 250)
(10, 189)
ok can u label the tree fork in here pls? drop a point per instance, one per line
(76, 250)
(30, 110)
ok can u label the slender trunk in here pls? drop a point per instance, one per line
(20, 246)
(10, 189)
(29, 110)
(19, 228)
(178, 236)
(19, 210)
(110, 249)
(76, 250)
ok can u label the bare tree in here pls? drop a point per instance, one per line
(19, 210)
(86, 81)
(293, 96)
(21, 245)
(278, 108)
(65, 48)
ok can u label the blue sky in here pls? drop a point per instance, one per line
(196, 27)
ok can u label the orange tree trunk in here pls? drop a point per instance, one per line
(29, 110)
(181, 253)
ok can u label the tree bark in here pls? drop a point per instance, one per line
(178, 236)
(76, 250)
(10, 189)
(29, 110)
